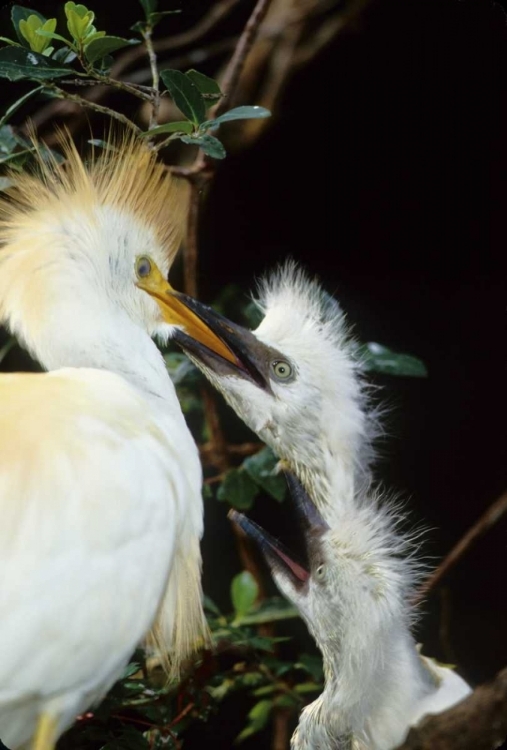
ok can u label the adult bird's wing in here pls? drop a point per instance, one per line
(91, 496)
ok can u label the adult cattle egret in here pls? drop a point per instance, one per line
(353, 596)
(100, 481)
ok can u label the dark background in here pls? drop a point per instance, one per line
(384, 172)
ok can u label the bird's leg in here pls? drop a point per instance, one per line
(45, 734)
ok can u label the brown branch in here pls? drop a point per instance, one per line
(477, 723)
(237, 62)
(493, 514)
(154, 75)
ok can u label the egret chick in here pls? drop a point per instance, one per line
(296, 384)
(354, 597)
(100, 479)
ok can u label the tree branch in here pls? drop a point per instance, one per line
(493, 514)
(477, 723)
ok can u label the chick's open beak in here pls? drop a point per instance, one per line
(277, 556)
(176, 311)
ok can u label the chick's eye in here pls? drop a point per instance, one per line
(281, 369)
(321, 571)
(143, 267)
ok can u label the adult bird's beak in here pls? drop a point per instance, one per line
(279, 559)
(177, 310)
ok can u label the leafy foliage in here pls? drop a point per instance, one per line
(42, 54)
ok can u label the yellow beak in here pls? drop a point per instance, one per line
(176, 312)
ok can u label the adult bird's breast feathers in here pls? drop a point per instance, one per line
(91, 497)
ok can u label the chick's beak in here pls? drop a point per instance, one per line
(277, 556)
(177, 312)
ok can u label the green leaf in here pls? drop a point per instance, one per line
(65, 55)
(262, 469)
(271, 610)
(149, 6)
(378, 358)
(5, 349)
(312, 665)
(19, 103)
(307, 687)
(244, 592)
(238, 489)
(79, 21)
(257, 719)
(209, 144)
(210, 606)
(182, 126)
(99, 47)
(9, 41)
(206, 85)
(30, 28)
(238, 113)
(19, 13)
(185, 95)
(17, 63)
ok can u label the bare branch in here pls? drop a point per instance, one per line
(477, 723)
(493, 514)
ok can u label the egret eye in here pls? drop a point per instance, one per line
(143, 266)
(281, 369)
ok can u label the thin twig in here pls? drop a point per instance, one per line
(203, 169)
(493, 514)
(148, 30)
(235, 67)
(61, 94)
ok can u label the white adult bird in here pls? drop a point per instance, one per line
(354, 596)
(100, 480)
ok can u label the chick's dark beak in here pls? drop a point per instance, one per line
(277, 556)
(248, 360)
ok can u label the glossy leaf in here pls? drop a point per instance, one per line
(238, 113)
(378, 358)
(209, 144)
(99, 47)
(5, 349)
(19, 103)
(79, 20)
(182, 126)
(185, 95)
(238, 489)
(257, 719)
(206, 85)
(275, 609)
(262, 469)
(9, 41)
(149, 6)
(30, 27)
(244, 592)
(17, 63)
(20, 13)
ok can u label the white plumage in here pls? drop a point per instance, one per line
(100, 480)
(298, 386)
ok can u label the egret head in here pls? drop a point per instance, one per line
(76, 241)
(354, 581)
(297, 384)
